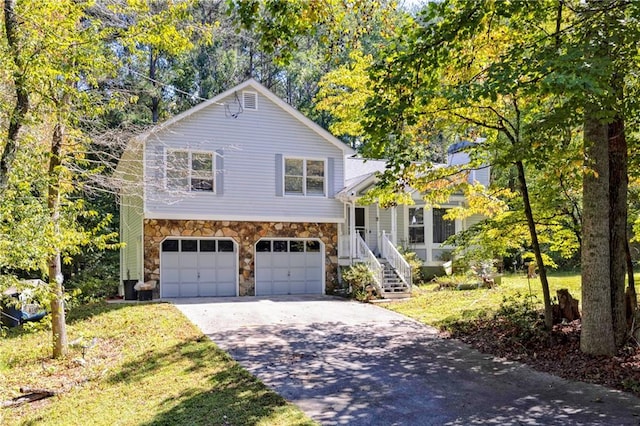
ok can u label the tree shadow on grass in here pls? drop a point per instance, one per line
(74, 315)
(221, 392)
(234, 398)
(86, 311)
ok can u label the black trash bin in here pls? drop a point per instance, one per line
(145, 295)
(130, 293)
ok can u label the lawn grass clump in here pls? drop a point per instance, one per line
(143, 364)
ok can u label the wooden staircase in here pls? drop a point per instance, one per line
(393, 287)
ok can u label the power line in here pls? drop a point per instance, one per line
(170, 86)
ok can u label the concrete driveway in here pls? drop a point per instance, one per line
(349, 363)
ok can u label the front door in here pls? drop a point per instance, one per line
(361, 222)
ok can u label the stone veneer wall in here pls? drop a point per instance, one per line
(246, 234)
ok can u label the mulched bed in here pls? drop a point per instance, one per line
(556, 352)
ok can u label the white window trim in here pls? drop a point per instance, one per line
(427, 217)
(304, 177)
(236, 248)
(423, 225)
(190, 153)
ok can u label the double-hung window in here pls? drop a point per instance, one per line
(416, 225)
(304, 177)
(442, 228)
(190, 171)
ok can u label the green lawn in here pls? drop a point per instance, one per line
(439, 307)
(149, 366)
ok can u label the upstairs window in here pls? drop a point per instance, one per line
(442, 228)
(190, 171)
(304, 177)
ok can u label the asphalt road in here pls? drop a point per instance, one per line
(349, 363)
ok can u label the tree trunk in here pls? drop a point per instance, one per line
(548, 308)
(596, 337)
(618, 183)
(58, 322)
(21, 106)
(155, 98)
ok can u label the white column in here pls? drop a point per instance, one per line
(428, 228)
(394, 226)
(352, 229)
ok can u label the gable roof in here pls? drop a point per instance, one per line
(359, 173)
(253, 84)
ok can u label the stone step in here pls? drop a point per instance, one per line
(397, 295)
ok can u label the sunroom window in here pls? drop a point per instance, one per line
(442, 228)
(416, 225)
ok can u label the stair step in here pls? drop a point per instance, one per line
(395, 286)
(394, 289)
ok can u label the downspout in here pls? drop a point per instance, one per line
(121, 253)
(141, 279)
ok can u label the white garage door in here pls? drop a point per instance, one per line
(289, 267)
(198, 267)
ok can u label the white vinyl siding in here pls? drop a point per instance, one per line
(250, 145)
(131, 225)
(473, 220)
(129, 172)
(481, 175)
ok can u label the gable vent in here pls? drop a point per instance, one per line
(250, 100)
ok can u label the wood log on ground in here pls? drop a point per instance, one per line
(567, 307)
(29, 395)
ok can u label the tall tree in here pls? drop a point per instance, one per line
(16, 67)
(447, 68)
(519, 70)
(65, 54)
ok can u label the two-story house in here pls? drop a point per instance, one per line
(243, 195)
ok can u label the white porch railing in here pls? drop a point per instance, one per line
(395, 259)
(367, 257)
